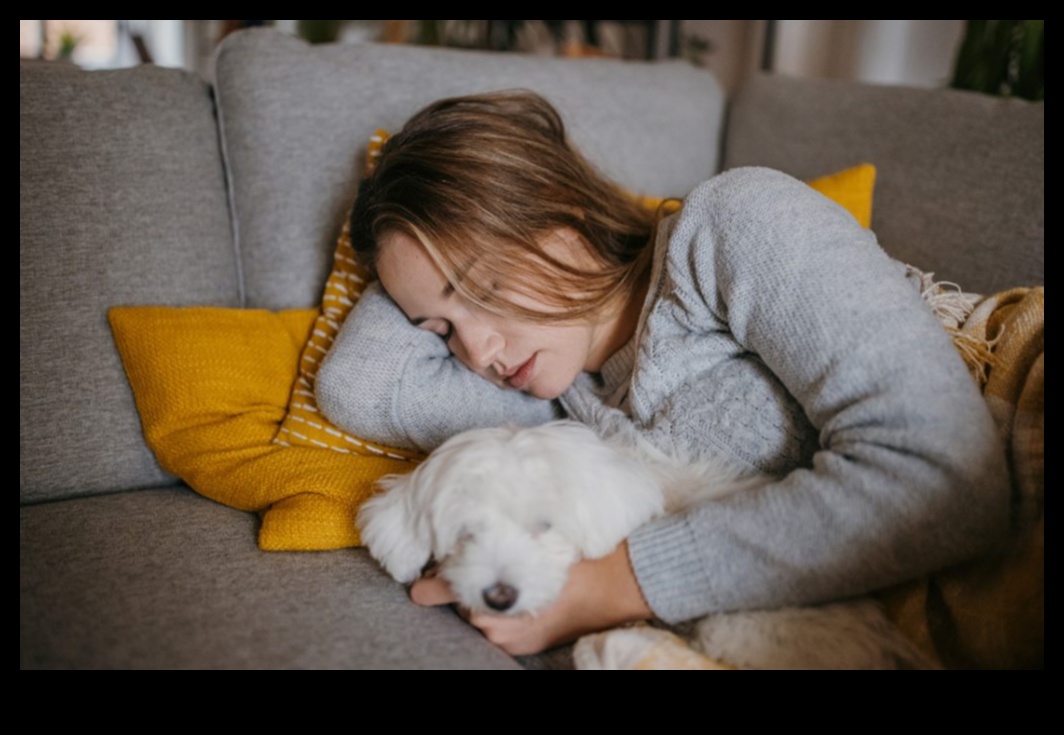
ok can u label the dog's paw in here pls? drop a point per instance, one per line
(640, 648)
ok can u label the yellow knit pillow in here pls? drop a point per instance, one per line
(211, 387)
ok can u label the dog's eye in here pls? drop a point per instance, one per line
(541, 527)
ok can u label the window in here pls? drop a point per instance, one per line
(90, 43)
(104, 44)
(29, 36)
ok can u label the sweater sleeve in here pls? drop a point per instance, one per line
(910, 476)
(393, 383)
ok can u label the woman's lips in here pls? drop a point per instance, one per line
(523, 375)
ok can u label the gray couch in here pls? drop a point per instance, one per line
(147, 186)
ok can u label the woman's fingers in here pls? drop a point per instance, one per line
(520, 635)
(600, 594)
(432, 592)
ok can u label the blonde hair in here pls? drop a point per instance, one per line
(483, 182)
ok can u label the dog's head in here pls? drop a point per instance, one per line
(505, 512)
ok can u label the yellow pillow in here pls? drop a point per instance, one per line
(852, 189)
(211, 387)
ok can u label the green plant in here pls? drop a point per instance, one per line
(320, 31)
(696, 49)
(1003, 57)
(430, 32)
(68, 43)
(461, 33)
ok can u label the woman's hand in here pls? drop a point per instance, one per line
(600, 594)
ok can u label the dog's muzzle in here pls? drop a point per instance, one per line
(500, 597)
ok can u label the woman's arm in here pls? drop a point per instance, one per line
(393, 383)
(911, 475)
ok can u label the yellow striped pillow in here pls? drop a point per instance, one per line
(304, 425)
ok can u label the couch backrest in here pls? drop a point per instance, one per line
(122, 200)
(126, 198)
(296, 120)
(961, 188)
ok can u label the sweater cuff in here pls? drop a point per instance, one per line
(670, 572)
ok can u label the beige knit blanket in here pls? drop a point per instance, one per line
(989, 614)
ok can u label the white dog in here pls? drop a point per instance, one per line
(505, 513)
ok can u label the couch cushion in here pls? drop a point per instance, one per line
(122, 200)
(295, 121)
(961, 188)
(163, 579)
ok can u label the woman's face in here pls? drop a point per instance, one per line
(540, 359)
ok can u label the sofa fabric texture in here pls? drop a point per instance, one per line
(961, 177)
(295, 121)
(161, 578)
(122, 200)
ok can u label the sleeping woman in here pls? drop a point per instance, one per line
(761, 324)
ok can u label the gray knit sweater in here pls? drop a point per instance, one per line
(776, 334)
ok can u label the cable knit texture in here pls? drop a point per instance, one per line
(779, 335)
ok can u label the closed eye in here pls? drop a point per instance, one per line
(441, 327)
(541, 527)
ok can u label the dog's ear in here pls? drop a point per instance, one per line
(610, 504)
(607, 490)
(395, 530)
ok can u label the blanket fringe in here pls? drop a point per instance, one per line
(954, 308)
(978, 354)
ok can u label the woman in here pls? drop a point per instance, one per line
(761, 323)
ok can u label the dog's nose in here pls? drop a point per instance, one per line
(500, 597)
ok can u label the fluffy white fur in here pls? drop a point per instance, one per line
(505, 512)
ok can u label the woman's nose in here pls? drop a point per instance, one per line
(476, 344)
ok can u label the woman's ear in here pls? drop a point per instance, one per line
(568, 246)
(567, 238)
